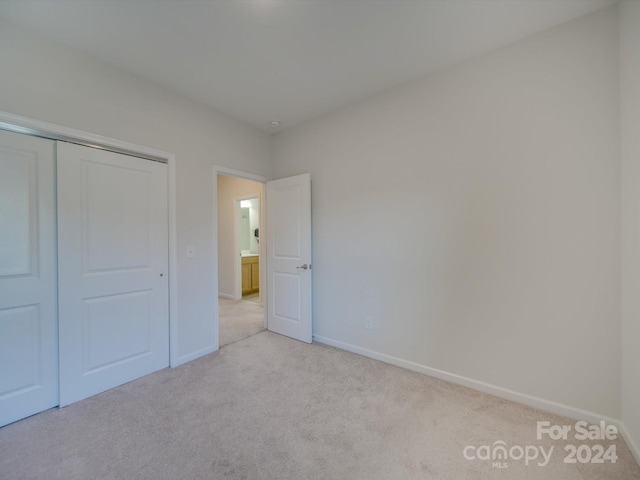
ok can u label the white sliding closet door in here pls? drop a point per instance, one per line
(28, 324)
(113, 257)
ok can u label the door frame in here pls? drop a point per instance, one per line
(219, 170)
(29, 126)
(236, 223)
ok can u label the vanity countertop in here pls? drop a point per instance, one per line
(249, 254)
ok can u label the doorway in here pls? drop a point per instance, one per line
(285, 249)
(240, 204)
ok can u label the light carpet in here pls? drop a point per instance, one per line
(238, 319)
(269, 407)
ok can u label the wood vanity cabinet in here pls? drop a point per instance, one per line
(250, 274)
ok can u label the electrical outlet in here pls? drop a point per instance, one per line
(368, 322)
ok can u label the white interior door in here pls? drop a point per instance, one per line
(289, 257)
(28, 309)
(113, 254)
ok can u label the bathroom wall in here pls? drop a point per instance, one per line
(254, 222)
(250, 220)
(243, 241)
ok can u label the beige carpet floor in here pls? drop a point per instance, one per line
(269, 407)
(239, 319)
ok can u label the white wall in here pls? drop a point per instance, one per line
(229, 189)
(506, 172)
(50, 82)
(630, 128)
(254, 222)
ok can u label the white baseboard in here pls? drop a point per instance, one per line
(192, 356)
(630, 443)
(530, 400)
(226, 295)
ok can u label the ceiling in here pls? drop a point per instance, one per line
(287, 60)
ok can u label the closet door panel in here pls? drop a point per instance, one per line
(28, 300)
(113, 250)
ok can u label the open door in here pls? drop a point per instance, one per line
(289, 257)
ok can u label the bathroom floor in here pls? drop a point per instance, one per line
(252, 297)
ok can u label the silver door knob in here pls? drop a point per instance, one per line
(303, 267)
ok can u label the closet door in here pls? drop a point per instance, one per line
(28, 323)
(113, 257)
